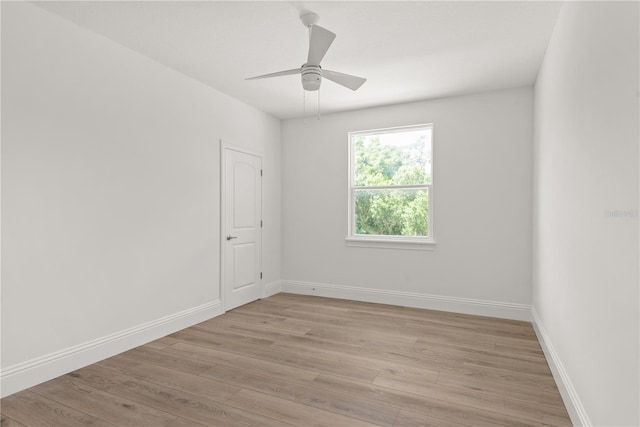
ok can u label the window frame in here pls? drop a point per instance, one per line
(383, 241)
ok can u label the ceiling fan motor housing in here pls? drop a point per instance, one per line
(311, 77)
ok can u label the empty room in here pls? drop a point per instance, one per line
(323, 213)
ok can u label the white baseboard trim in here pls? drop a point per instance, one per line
(27, 374)
(410, 299)
(570, 397)
(271, 288)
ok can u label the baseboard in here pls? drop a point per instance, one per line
(271, 288)
(27, 374)
(410, 299)
(570, 397)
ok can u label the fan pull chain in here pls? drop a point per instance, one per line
(304, 107)
(318, 103)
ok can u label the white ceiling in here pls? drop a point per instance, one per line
(408, 51)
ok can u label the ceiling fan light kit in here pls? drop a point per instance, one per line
(311, 77)
(311, 72)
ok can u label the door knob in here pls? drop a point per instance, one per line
(229, 237)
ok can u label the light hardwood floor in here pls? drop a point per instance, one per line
(310, 361)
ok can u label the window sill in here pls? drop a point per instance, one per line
(391, 243)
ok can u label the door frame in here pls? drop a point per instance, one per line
(224, 146)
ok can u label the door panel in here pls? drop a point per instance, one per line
(244, 265)
(242, 238)
(244, 209)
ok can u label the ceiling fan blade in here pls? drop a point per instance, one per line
(278, 74)
(346, 80)
(319, 42)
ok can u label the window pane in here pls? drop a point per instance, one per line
(392, 212)
(395, 158)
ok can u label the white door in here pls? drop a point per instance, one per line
(242, 228)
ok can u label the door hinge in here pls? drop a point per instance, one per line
(260, 223)
(261, 274)
(260, 172)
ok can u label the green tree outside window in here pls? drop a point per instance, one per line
(392, 176)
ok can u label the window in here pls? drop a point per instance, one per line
(391, 188)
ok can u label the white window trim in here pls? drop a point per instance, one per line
(389, 242)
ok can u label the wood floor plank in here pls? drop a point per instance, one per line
(291, 412)
(190, 406)
(543, 396)
(311, 361)
(298, 313)
(556, 421)
(410, 419)
(381, 313)
(103, 405)
(475, 324)
(266, 367)
(105, 378)
(325, 344)
(246, 379)
(414, 326)
(515, 349)
(427, 335)
(505, 360)
(98, 377)
(455, 352)
(262, 322)
(359, 336)
(246, 330)
(337, 402)
(356, 360)
(173, 378)
(162, 343)
(319, 360)
(32, 409)
(162, 358)
(534, 368)
(434, 406)
(447, 361)
(524, 409)
(9, 422)
(340, 402)
(221, 338)
(274, 354)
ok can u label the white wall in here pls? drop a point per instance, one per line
(585, 289)
(482, 206)
(110, 189)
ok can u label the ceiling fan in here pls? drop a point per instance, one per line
(312, 73)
